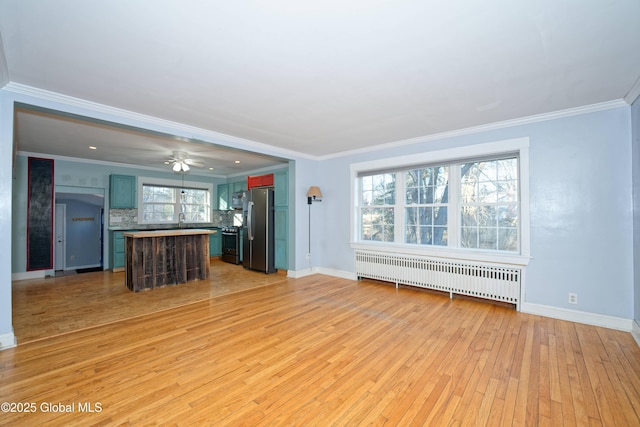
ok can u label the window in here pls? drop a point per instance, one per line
(442, 203)
(377, 212)
(162, 201)
(489, 205)
(425, 212)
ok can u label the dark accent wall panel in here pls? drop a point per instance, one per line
(40, 215)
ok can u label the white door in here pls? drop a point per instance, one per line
(60, 252)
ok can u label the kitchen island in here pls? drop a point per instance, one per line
(165, 257)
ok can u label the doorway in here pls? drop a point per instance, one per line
(79, 224)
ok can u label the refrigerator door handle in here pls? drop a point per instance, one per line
(250, 220)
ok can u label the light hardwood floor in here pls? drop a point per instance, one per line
(326, 351)
(44, 308)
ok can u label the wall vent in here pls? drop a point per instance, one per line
(481, 280)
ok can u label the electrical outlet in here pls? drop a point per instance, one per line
(308, 256)
(573, 298)
(73, 257)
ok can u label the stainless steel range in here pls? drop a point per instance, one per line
(231, 244)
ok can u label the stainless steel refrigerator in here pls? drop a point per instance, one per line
(258, 243)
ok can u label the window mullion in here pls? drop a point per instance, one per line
(453, 210)
(399, 225)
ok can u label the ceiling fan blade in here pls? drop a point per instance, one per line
(195, 163)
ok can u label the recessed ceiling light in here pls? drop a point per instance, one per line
(210, 169)
(237, 161)
(92, 147)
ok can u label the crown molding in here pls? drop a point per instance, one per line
(633, 93)
(130, 116)
(485, 128)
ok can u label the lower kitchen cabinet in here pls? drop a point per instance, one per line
(281, 237)
(215, 243)
(117, 250)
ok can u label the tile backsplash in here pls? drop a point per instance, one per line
(128, 219)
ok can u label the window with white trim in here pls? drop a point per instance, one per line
(470, 203)
(161, 201)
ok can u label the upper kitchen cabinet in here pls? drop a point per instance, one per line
(281, 218)
(224, 197)
(226, 190)
(238, 186)
(122, 191)
(281, 187)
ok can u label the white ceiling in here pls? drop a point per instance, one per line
(324, 77)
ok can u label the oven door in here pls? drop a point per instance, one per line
(230, 247)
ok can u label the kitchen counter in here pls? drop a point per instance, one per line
(171, 232)
(165, 257)
(154, 227)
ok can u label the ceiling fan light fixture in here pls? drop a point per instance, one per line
(176, 167)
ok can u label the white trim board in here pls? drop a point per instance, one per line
(576, 316)
(635, 332)
(26, 275)
(8, 340)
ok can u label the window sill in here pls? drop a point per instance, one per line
(446, 253)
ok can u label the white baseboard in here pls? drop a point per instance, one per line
(8, 340)
(320, 270)
(635, 332)
(337, 273)
(296, 274)
(594, 319)
(26, 275)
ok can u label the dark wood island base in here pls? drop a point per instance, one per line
(165, 257)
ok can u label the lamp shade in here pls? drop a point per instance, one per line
(180, 167)
(314, 192)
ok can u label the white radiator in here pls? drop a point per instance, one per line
(482, 280)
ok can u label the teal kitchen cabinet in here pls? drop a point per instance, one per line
(224, 197)
(281, 188)
(122, 191)
(117, 250)
(238, 186)
(215, 243)
(226, 190)
(281, 219)
(281, 237)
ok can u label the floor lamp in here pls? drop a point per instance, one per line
(313, 195)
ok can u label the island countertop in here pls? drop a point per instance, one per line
(171, 232)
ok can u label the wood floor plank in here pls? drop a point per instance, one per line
(319, 351)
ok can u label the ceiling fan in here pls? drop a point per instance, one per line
(181, 163)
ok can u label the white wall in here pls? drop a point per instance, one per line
(581, 208)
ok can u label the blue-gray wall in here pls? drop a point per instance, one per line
(91, 176)
(83, 233)
(583, 186)
(580, 205)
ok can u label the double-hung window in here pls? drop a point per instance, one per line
(460, 200)
(163, 201)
